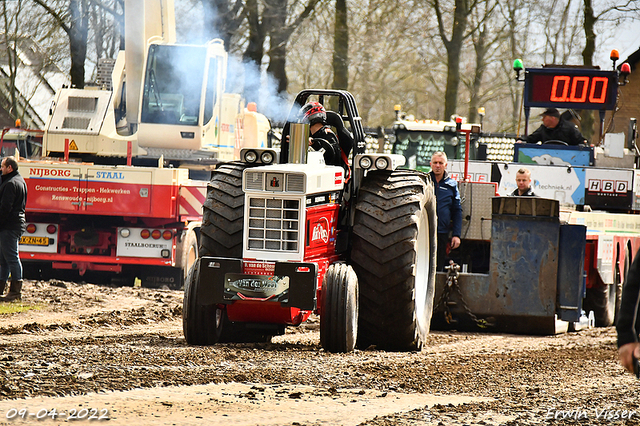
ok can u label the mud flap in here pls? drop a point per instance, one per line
(304, 283)
(212, 278)
(572, 246)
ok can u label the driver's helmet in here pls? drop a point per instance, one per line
(313, 112)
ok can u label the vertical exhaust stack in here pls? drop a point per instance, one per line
(298, 143)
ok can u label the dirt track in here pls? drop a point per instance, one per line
(87, 343)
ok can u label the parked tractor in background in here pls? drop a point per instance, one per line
(284, 236)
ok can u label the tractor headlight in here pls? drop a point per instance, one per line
(382, 163)
(250, 156)
(125, 232)
(267, 157)
(365, 162)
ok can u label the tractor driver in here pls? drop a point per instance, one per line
(322, 137)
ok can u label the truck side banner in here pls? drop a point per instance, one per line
(91, 189)
(596, 187)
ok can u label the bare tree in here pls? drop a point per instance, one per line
(485, 39)
(280, 32)
(73, 20)
(341, 47)
(453, 43)
(222, 18)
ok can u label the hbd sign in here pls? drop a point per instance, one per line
(608, 186)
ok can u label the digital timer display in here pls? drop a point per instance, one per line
(570, 88)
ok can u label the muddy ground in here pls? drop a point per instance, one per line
(119, 353)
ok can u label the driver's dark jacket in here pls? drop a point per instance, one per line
(332, 151)
(565, 131)
(628, 322)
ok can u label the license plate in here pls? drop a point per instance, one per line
(34, 241)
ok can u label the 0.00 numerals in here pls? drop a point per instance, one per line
(72, 414)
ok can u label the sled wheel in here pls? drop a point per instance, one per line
(222, 213)
(602, 301)
(201, 324)
(394, 257)
(339, 309)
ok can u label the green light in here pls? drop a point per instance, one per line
(518, 65)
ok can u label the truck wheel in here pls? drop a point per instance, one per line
(339, 309)
(394, 257)
(201, 324)
(602, 301)
(223, 211)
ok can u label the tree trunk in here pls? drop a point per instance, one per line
(78, 32)
(481, 53)
(252, 57)
(222, 19)
(454, 49)
(275, 15)
(341, 47)
(277, 18)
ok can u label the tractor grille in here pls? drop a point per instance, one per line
(274, 224)
(254, 180)
(295, 182)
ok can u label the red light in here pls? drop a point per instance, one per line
(459, 120)
(167, 235)
(625, 68)
(156, 234)
(145, 233)
(51, 229)
(31, 228)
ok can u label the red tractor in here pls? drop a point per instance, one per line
(284, 235)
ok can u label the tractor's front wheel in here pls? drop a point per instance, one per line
(394, 257)
(339, 309)
(201, 324)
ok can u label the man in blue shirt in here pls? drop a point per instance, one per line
(447, 206)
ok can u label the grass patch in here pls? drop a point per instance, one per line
(16, 307)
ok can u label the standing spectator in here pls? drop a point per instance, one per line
(523, 181)
(628, 318)
(447, 206)
(13, 200)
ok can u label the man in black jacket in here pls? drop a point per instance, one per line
(555, 128)
(13, 200)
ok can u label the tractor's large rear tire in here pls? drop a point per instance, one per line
(339, 309)
(223, 213)
(394, 256)
(201, 324)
